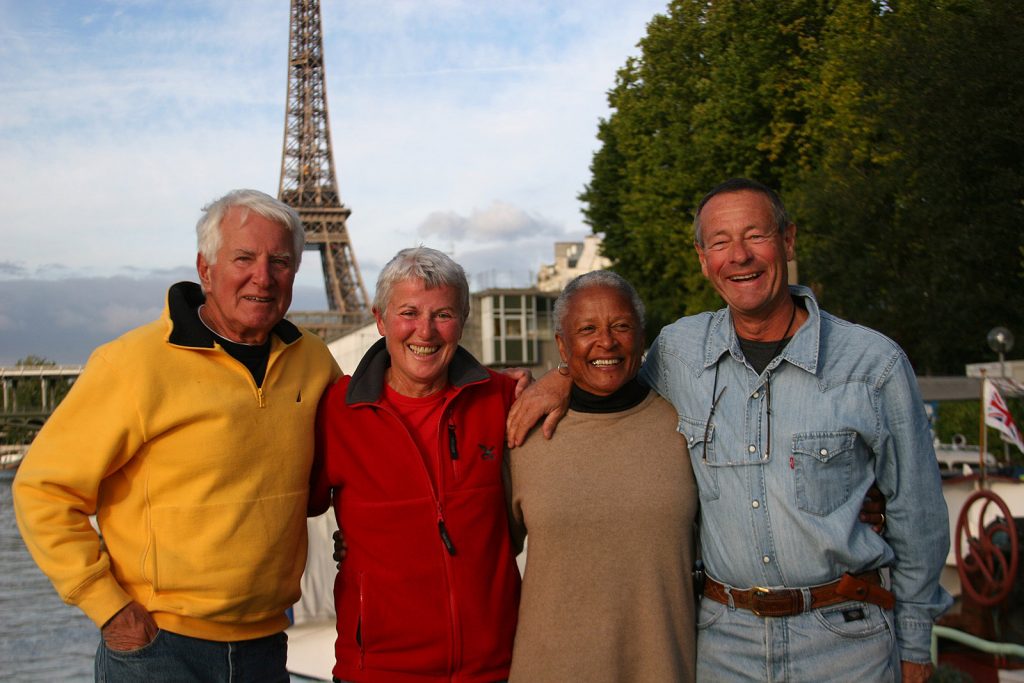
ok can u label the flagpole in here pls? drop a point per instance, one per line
(983, 437)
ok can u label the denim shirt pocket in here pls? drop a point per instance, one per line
(700, 439)
(824, 463)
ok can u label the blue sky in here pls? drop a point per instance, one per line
(468, 126)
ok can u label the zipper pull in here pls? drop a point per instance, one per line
(453, 448)
(445, 538)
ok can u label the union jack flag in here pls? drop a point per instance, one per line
(997, 415)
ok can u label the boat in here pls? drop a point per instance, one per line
(982, 635)
(11, 456)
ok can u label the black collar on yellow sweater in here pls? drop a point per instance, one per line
(183, 302)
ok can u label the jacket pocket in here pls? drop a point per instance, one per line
(396, 623)
(824, 464)
(239, 561)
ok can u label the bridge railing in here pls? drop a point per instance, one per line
(48, 377)
(30, 394)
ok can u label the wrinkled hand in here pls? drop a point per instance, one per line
(548, 396)
(523, 378)
(340, 547)
(916, 673)
(872, 510)
(131, 628)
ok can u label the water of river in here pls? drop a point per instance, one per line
(41, 638)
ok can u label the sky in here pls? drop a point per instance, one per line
(468, 126)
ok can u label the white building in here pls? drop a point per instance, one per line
(571, 259)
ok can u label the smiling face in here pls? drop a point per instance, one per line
(601, 340)
(744, 256)
(249, 287)
(422, 328)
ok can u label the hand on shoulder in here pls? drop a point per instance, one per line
(548, 396)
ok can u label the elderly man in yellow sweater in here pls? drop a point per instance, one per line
(190, 438)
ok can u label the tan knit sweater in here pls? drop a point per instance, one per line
(608, 505)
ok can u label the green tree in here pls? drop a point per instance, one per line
(891, 128)
(912, 220)
(715, 92)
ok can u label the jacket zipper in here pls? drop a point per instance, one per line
(454, 651)
(443, 530)
(446, 539)
(453, 449)
(361, 627)
(261, 401)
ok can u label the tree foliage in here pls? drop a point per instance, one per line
(891, 128)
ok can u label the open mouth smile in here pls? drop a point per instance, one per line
(423, 350)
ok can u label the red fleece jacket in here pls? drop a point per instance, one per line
(429, 590)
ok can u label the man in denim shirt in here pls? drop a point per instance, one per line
(790, 415)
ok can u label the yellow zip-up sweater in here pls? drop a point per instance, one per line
(198, 478)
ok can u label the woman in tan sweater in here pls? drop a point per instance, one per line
(609, 505)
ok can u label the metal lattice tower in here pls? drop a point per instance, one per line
(308, 180)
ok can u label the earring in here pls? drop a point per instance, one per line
(563, 369)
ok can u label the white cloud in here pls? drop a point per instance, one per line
(499, 221)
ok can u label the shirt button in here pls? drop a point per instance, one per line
(752, 448)
(755, 394)
(823, 451)
(766, 559)
(755, 504)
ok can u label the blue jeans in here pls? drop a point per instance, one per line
(173, 658)
(852, 641)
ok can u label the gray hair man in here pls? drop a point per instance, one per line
(191, 440)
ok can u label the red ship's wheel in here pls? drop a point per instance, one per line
(986, 574)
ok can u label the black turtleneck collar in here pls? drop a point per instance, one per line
(625, 397)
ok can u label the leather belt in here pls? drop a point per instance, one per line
(788, 602)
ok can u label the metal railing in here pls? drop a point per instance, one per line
(986, 646)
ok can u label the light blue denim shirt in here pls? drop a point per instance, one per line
(781, 494)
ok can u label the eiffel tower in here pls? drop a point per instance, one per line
(309, 183)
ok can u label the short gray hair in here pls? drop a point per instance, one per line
(779, 214)
(208, 231)
(434, 267)
(596, 278)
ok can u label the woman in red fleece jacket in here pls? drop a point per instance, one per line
(410, 450)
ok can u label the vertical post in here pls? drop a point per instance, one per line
(1002, 373)
(983, 438)
(7, 393)
(1000, 340)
